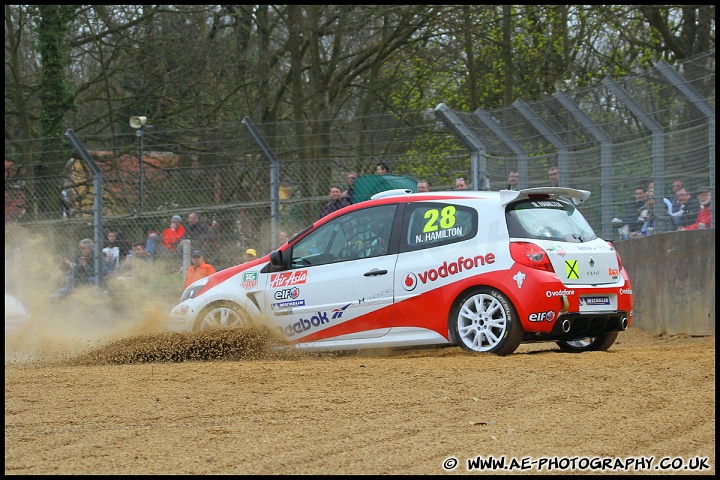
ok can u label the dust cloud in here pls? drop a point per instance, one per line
(61, 328)
(123, 322)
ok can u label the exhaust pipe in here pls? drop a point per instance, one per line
(624, 323)
(566, 325)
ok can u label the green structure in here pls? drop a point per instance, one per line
(368, 185)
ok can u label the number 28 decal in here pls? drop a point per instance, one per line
(446, 218)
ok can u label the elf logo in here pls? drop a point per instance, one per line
(539, 317)
(287, 294)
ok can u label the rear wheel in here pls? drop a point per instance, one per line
(588, 344)
(223, 315)
(484, 320)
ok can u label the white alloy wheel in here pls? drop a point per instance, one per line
(485, 321)
(223, 315)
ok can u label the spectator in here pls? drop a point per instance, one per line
(513, 180)
(460, 184)
(633, 212)
(198, 233)
(688, 207)
(382, 168)
(650, 192)
(118, 248)
(554, 177)
(199, 269)
(110, 260)
(140, 253)
(250, 255)
(704, 216)
(676, 185)
(172, 234)
(137, 264)
(348, 193)
(83, 270)
(337, 201)
(650, 222)
(675, 203)
(423, 186)
(151, 242)
(282, 237)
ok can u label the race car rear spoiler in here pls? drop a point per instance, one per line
(575, 195)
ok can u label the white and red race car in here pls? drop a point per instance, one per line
(483, 270)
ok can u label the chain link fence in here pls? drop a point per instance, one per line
(656, 126)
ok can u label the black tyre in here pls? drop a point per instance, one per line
(222, 315)
(484, 320)
(588, 344)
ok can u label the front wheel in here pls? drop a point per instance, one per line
(223, 315)
(484, 320)
(588, 344)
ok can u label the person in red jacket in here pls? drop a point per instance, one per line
(199, 269)
(704, 216)
(172, 235)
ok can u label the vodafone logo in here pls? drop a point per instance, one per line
(409, 282)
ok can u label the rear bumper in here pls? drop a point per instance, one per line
(570, 326)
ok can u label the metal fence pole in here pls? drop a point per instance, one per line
(274, 179)
(97, 203)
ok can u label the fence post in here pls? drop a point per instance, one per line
(274, 179)
(186, 256)
(478, 156)
(97, 204)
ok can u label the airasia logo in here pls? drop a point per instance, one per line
(288, 279)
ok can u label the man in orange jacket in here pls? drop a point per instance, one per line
(199, 269)
(172, 235)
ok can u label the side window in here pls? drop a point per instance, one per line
(360, 234)
(430, 225)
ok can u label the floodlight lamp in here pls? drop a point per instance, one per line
(138, 122)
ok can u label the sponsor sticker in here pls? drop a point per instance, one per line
(249, 280)
(595, 300)
(542, 316)
(571, 269)
(559, 293)
(287, 293)
(314, 321)
(288, 279)
(410, 280)
(288, 304)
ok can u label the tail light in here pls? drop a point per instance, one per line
(620, 267)
(530, 255)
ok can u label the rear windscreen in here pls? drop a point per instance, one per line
(547, 219)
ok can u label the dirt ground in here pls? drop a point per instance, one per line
(239, 408)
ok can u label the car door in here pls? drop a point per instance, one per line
(340, 281)
(437, 248)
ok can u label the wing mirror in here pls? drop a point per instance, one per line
(276, 259)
